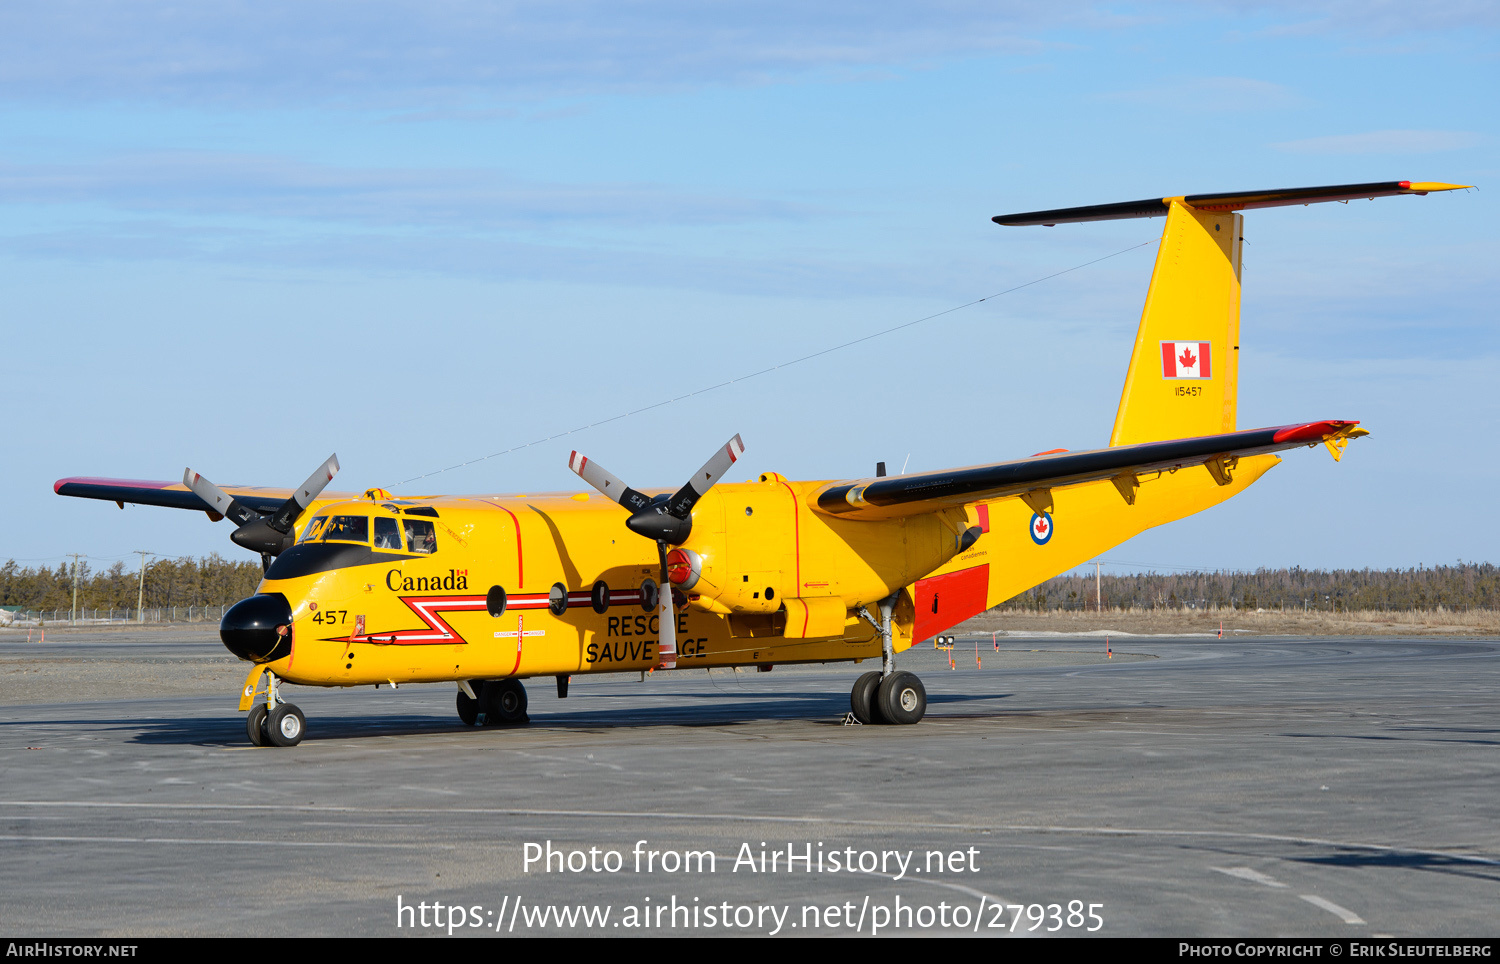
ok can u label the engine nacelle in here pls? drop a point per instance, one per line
(756, 545)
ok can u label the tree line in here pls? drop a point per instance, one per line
(1464, 585)
(213, 580)
(208, 581)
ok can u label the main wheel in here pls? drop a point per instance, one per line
(862, 698)
(468, 707)
(901, 698)
(285, 725)
(255, 724)
(504, 703)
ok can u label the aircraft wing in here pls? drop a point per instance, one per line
(173, 495)
(901, 495)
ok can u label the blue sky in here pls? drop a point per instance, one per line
(242, 236)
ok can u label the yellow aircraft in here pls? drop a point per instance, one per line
(489, 590)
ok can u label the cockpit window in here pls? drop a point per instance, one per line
(314, 529)
(387, 533)
(421, 536)
(347, 528)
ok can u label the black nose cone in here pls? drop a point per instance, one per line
(258, 628)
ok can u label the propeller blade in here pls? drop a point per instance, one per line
(608, 484)
(218, 500)
(666, 647)
(681, 504)
(288, 512)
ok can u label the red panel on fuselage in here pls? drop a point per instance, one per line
(949, 599)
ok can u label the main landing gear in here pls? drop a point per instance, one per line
(887, 696)
(898, 698)
(492, 702)
(275, 722)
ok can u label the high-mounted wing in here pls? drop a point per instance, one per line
(901, 495)
(173, 495)
(263, 517)
(1156, 207)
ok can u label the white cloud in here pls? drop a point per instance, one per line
(1382, 142)
(208, 184)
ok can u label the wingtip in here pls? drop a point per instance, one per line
(1422, 187)
(1315, 431)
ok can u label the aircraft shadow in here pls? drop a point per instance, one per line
(1378, 738)
(1437, 863)
(715, 708)
(692, 709)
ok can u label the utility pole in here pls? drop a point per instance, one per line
(140, 592)
(1098, 594)
(73, 613)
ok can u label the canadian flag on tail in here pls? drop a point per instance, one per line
(1185, 359)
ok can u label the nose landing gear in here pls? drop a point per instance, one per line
(274, 722)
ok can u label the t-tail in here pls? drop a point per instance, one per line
(1183, 380)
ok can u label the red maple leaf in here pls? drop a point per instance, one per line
(1187, 358)
(1041, 525)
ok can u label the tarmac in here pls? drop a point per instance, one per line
(1244, 787)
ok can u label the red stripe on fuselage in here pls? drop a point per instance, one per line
(520, 566)
(436, 630)
(796, 535)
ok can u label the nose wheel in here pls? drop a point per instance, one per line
(255, 725)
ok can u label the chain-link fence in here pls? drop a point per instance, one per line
(108, 617)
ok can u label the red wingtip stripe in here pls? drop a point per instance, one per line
(1405, 185)
(1310, 432)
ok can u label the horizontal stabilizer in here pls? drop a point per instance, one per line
(1236, 201)
(904, 495)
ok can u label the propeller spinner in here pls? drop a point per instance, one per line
(268, 535)
(666, 520)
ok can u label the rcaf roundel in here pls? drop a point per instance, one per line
(1041, 528)
(1185, 359)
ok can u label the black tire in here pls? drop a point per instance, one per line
(285, 725)
(862, 698)
(504, 703)
(255, 725)
(901, 698)
(468, 708)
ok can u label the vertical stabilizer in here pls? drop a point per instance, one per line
(1184, 371)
